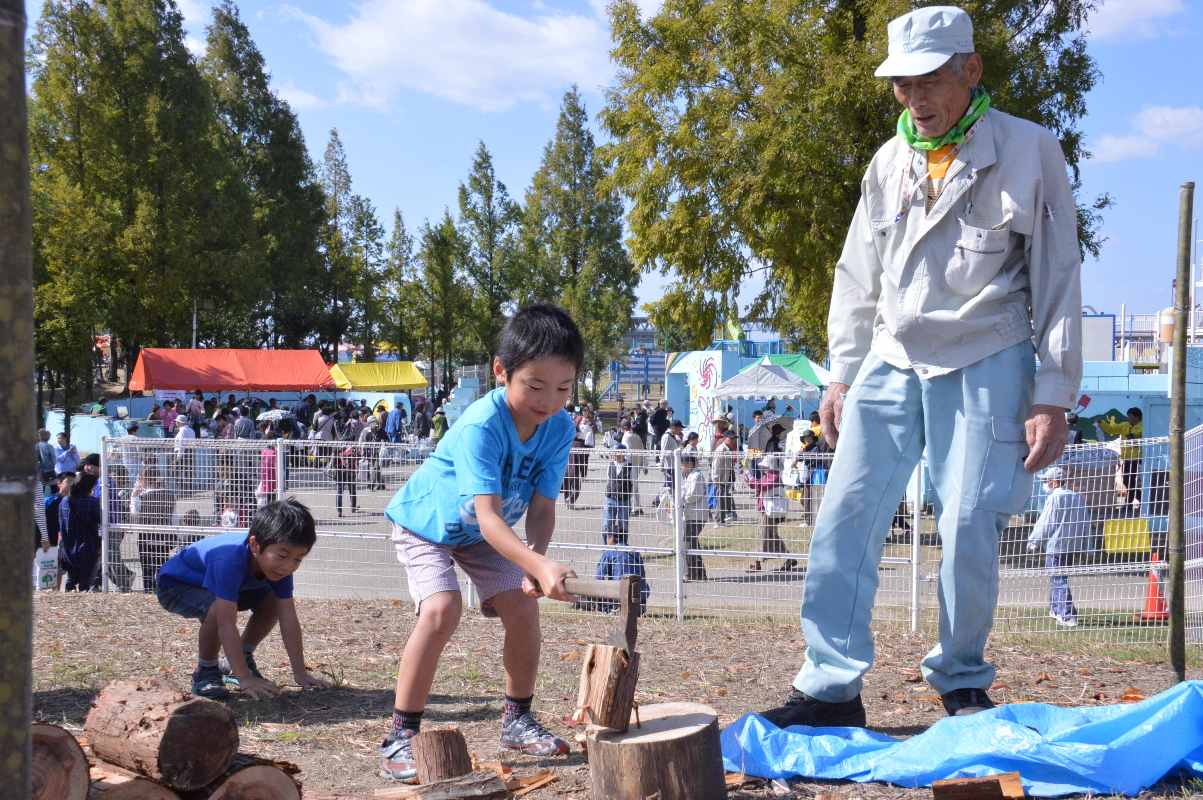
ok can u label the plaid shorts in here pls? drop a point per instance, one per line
(430, 568)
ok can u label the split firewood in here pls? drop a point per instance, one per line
(477, 785)
(607, 687)
(1004, 786)
(151, 728)
(110, 782)
(60, 768)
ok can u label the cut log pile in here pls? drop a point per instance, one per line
(149, 741)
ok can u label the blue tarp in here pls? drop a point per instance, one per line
(1103, 749)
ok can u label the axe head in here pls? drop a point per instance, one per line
(626, 629)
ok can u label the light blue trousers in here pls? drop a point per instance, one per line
(970, 422)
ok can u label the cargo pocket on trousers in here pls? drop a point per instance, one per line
(1004, 485)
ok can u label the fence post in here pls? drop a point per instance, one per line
(916, 526)
(104, 513)
(281, 469)
(678, 536)
(1177, 520)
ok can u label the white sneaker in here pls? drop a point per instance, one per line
(1067, 622)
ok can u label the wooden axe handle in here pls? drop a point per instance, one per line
(587, 587)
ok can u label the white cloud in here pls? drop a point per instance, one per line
(299, 99)
(466, 51)
(1153, 127)
(1132, 19)
(195, 45)
(196, 12)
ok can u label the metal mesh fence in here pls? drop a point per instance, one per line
(716, 533)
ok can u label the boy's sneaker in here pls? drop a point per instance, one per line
(1067, 622)
(523, 733)
(207, 683)
(397, 757)
(802, 709)
(230, 678)
(963, 702)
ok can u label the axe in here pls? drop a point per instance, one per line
(625, 591)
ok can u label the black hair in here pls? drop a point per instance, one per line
(284, 522)
(1136, 412)
(538, 331)
(84, 486)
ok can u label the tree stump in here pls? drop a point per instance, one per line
(110, 782)
(675, 755)
(60, 768)
(607, 688)
(440, 754)
(151, 728)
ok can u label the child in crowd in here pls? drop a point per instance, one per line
(615, 564)
(211, 580)
(79, 534)
(507, 452)
(694, 505)
(1063, 527)
(616, 506)
(772, 505)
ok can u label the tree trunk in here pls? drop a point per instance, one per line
(250, 778)
(441, 754)
(675, 755)
(16, 376)
(60, 768)
(607, 687)
(110, 782)
(155, 730)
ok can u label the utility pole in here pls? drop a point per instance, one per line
(16, 375)
(1177, 543)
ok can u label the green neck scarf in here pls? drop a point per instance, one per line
(978, 105)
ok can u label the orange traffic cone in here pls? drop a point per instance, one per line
(1155, 609)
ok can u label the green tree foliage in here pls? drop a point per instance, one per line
(369, 270)
(287, 206)
(741, 132)
(401, 291)
(489, 230)
(572, 239)
(138, 207)
(441, 296)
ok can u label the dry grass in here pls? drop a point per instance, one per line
(84, 641)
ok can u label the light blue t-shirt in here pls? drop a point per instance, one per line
(482, 454)
(221, 564)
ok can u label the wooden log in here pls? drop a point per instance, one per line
(110, 782)
(675, 755)
(251, 778)
(153, 729)
(607, 688)
(60, 768)
(440, 754)
(1003, 786)
(477, 785)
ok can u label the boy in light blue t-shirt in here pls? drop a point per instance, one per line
(504, 458)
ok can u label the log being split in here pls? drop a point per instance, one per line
(60, 768)
(251, 778)
(675, 755)
(151, 728)
(607, 688)
(440, 754)
(110, 782)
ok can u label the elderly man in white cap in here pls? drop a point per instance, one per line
(961, 265)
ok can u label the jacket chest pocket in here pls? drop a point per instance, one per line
(977, 257)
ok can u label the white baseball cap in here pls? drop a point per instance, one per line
(923, 41)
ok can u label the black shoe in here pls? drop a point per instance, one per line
(963, 702)
(802, 709)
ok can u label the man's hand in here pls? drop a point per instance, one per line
(258, 688)
(1047, 432)
(830, 411)
(307, 680)
(548, 581)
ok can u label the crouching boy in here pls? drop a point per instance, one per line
(213, 579)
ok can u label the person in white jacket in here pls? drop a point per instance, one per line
(1062, 529)
(694, 510)
(637, 458)
(961, 266)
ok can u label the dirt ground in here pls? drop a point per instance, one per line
(84, 641)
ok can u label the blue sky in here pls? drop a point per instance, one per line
(413, 85)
